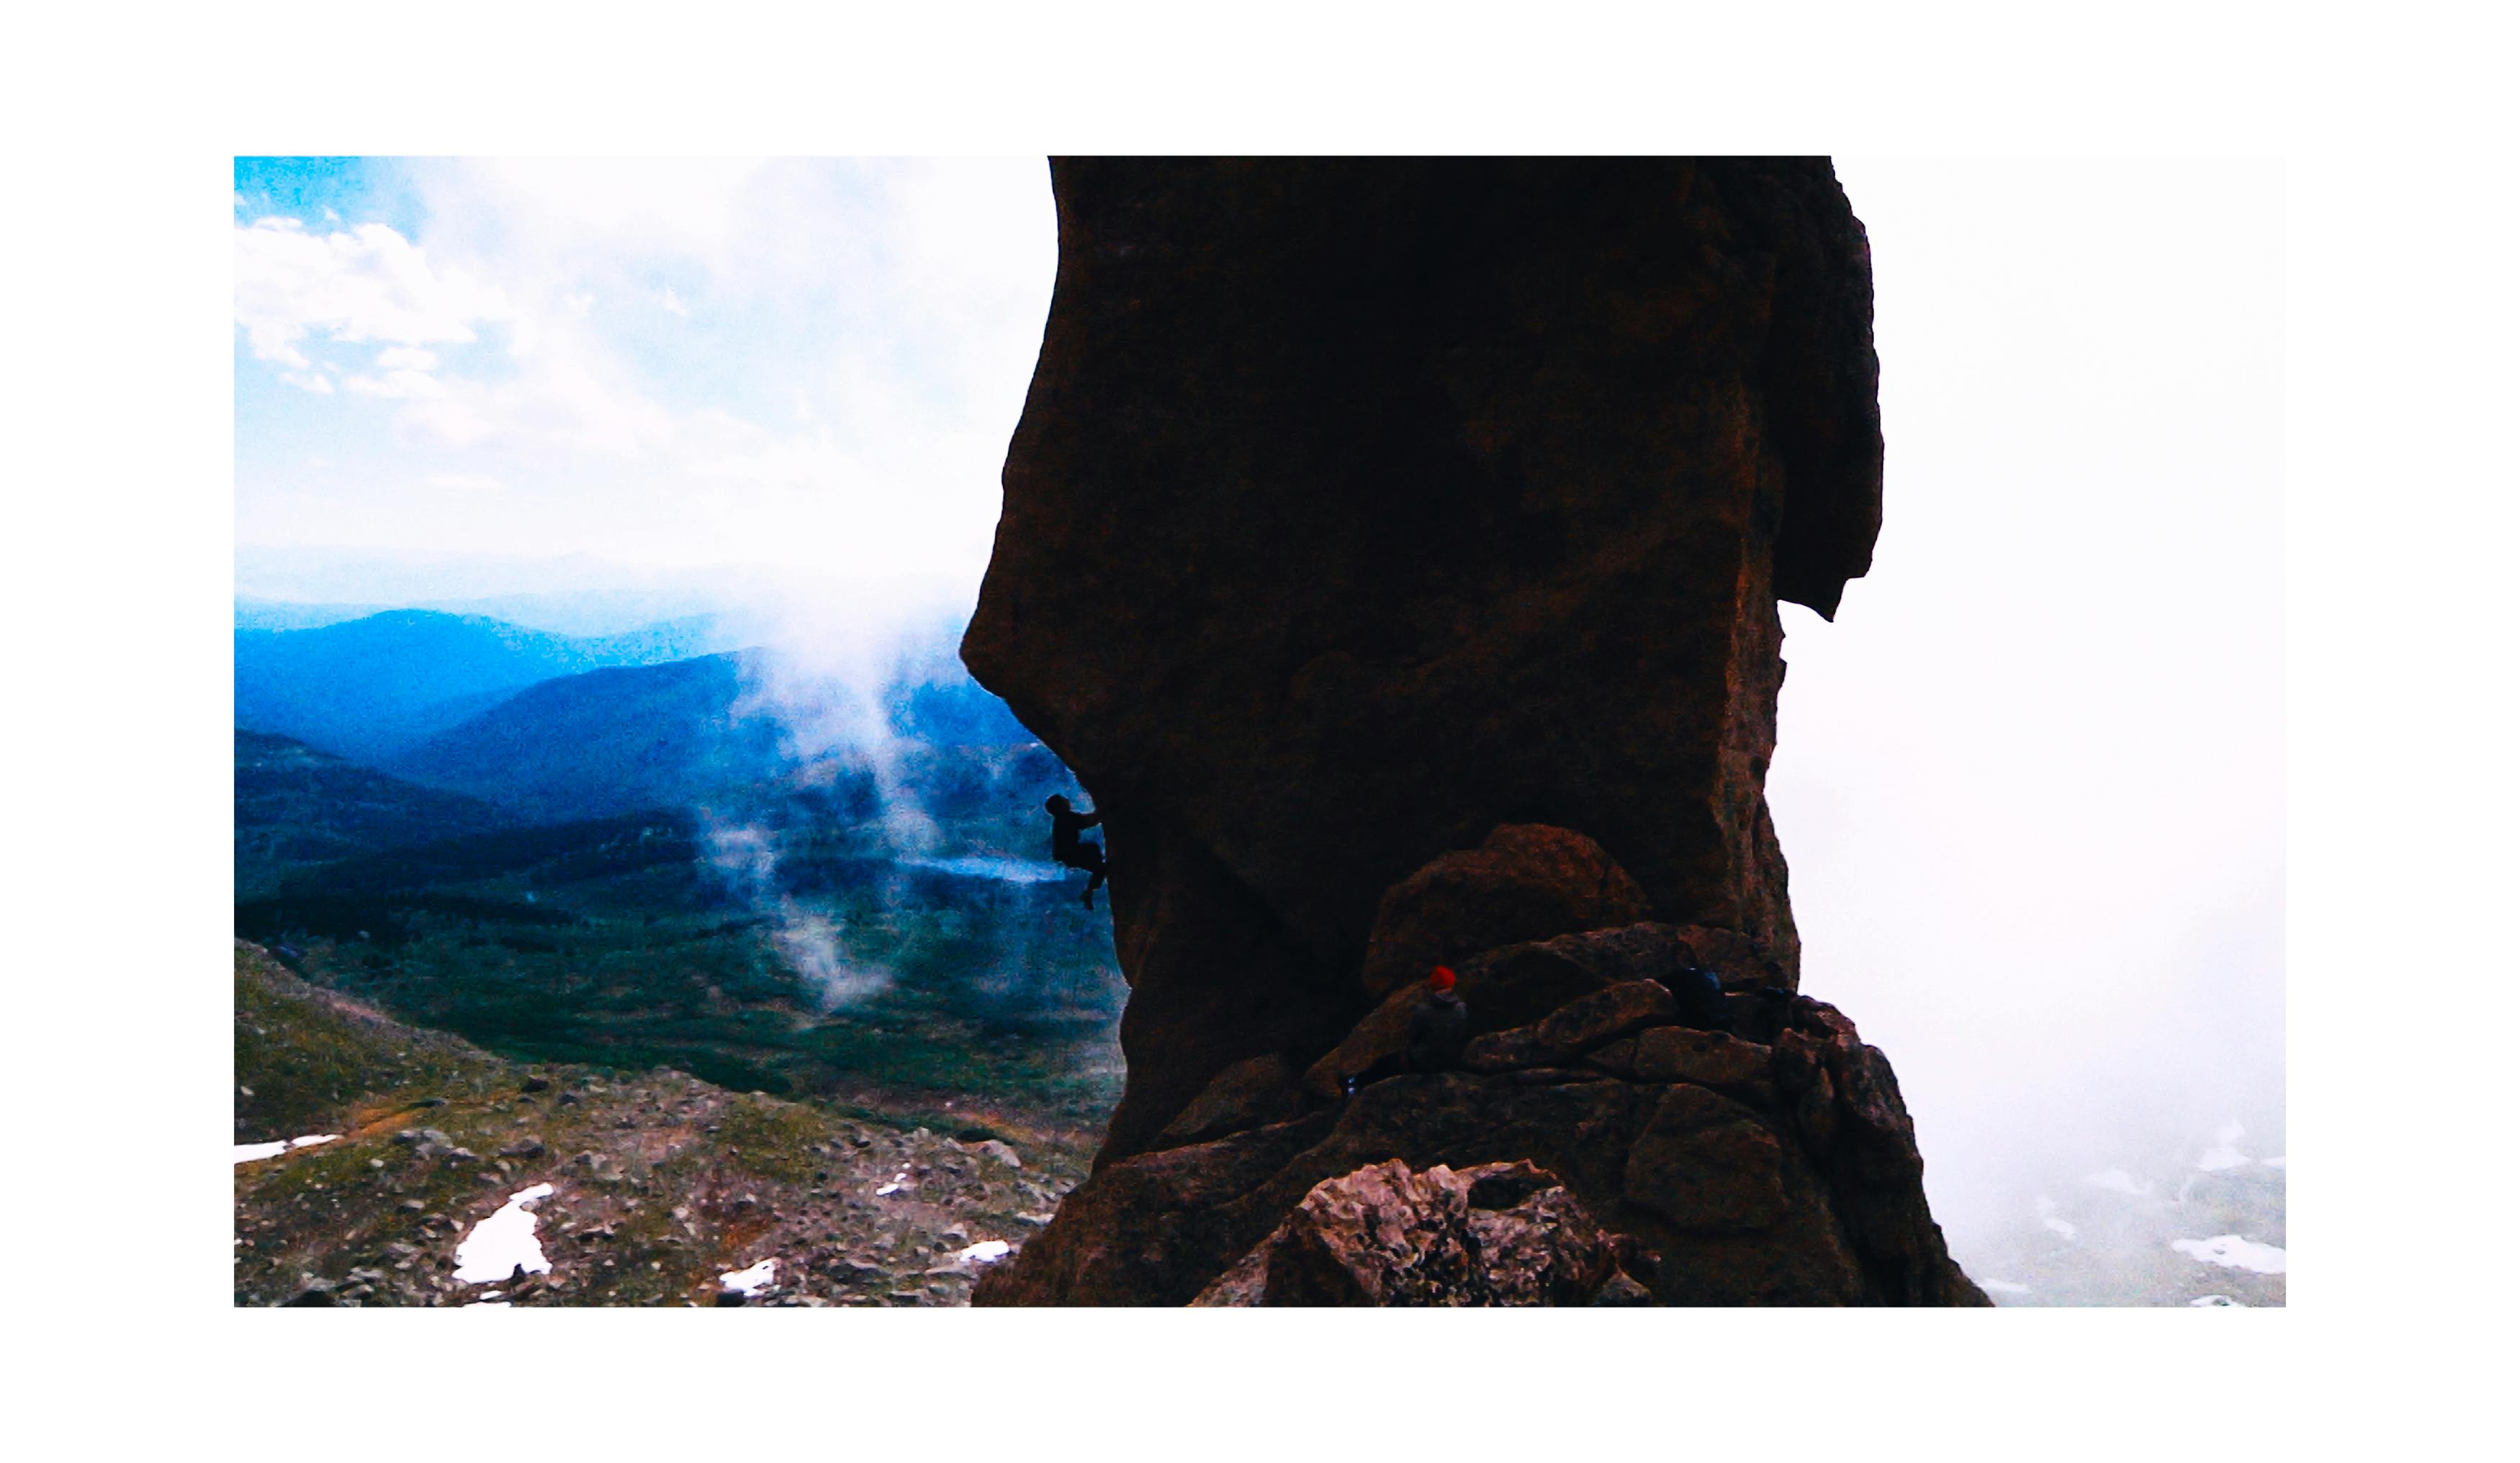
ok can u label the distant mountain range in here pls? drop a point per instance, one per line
(371, 687)
(603, 743)
(537, 727)
(581, 615)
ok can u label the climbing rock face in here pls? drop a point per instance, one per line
(1788, 1177)
(1392, 547)
(1247, 1095)
(1526, 882)
(1497, 1234)
(1360, 508)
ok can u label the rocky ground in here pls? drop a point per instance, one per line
(1743, 1144)
(2201, 1226)
(660, 1183)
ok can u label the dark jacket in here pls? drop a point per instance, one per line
(1069, 849)
(1438, 1030)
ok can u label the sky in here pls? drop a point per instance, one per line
(649, 366)
(2029, 782)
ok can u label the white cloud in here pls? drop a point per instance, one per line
(366, 284)
(309, 380)
(887, 314)
(399, 385)
(466, 482)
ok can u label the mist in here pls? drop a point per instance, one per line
(930, 788)
(2030, 782)
(811, 944)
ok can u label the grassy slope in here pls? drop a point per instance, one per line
(615, 943)
(297, 807)
(663, 1181)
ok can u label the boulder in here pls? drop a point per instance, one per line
(1708, 1059)
(1705, 1163)
(1247, 1095)
(1737, 1204)
(1498, 1234)
(1574, 1029)
(1514, 985)
(1526, 882)
(1375, 1047)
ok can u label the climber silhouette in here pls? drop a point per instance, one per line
(1065, 822)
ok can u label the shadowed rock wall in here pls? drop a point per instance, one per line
(1362, 507)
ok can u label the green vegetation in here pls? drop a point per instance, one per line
(774, 1139)
(302, 1061)
(780, 946)
(660, 1183)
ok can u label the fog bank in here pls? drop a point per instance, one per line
(2030, 783)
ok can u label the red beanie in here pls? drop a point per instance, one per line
(1440, 978)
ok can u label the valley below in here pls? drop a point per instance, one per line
(643, 1188)
(617, 979)
(732, 1000)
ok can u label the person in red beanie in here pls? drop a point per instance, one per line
(1440, 1026)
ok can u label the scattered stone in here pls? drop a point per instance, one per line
(315, 1292)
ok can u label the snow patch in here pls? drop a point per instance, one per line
(2235, 1252)
(2117, 1181)
(2048, 1218)
(899, 1182)
(2223, 1155)
(2004, 1287)
(754, 1278)
(986, 1252)
(503, 1241)
(2215, 1303)
(246, 1153)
